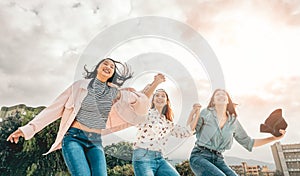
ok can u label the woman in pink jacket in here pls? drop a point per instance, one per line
(88, 109)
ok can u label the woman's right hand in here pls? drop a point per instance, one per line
(159, 78)
(14, 137)
(196, 108)
(194, 116)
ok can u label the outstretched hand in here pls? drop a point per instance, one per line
(282, 135)
(149, 89)
(14, 137)
(159, 78)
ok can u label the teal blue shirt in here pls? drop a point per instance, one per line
(209, 134)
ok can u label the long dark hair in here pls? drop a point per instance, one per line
(230, 106)
(167, 110)
(119, 76)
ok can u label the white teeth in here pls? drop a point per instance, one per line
(106, 71)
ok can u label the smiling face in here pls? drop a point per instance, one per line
(105, 70)
(159, 99)
(220, 98)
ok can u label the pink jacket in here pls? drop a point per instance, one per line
(129, 110)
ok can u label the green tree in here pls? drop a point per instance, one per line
(184, 168)
(25, 158)
(118, 154)
(10, 153)
(125, 170)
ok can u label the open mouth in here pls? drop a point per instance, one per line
(106, 70)
(160, 102)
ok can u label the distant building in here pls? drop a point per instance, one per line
(287, 158)
(245, 170)
(264, 171)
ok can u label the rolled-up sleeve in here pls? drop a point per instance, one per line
(242, 137)
(200, 122)
(131, 108)
(180, 131)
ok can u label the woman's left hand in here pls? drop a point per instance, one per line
(282, 134)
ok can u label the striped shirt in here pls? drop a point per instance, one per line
(96, 105)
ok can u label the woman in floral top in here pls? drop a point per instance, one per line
(153, 134)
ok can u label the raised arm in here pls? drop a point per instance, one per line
(149, 89)
(44, 118)
(194, 116)
(261, 142)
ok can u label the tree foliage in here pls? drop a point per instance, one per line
(25, 158)
(125, 170)
(184, 168)
(118, 154)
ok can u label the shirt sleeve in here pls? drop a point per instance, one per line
(242, 137)
(179, 131)
(200, 122)
(47, 116)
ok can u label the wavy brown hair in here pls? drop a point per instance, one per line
(167, 110)
(230, 106)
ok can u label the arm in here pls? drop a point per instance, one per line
(44, 118)
(242, 137)
(149, 89)
(194, 116)
(260, 142)
(180, 131)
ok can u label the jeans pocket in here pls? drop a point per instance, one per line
(138, 154)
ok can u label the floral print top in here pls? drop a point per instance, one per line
(153, 133)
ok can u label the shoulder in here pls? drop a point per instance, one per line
(205, 111)
(114, 88)
(81, 82)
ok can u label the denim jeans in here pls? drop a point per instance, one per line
(203, 162)
(151, 163)
(83, 153)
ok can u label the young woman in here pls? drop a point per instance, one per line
(86, 112)
(153, 134)
(215, 130)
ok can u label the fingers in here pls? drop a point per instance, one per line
(282, 131)
(14, 137)
(160, 77)
(197, 107)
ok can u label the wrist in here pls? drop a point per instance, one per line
(154, 83)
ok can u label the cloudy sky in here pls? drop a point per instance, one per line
(256, 44)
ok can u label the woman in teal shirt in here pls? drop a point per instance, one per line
(217, 126)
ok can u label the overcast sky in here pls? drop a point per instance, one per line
(256, 43)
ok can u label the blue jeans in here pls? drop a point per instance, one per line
(150, 163)
(204, 162)
(83, 153)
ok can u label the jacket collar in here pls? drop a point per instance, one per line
(84, 84)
